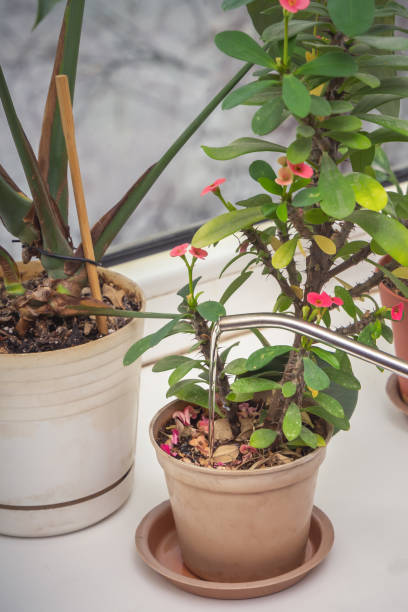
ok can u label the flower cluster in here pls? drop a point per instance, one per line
(288, 171)
(323, 300)
(181, 250)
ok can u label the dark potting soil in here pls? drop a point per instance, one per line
(49, 333)
(185, 437)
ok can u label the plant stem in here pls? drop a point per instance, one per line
(285, 40)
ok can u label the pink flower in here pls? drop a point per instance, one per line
(303, 170)
(397, 312)
(244, 246)
(166, 448)
(200, 253)
(321, 300)
(214, 186)
(202, 425)
(185, 416)
(179, 250)
(174, 436)
(293, 6)
(285, 176)
(244, 449)
(337, 301)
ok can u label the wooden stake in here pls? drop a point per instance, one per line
(67, 120)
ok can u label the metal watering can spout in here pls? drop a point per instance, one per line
(281, 321)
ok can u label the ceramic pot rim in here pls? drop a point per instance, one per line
(188, 467)
(98, 342)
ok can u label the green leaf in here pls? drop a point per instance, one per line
(261, 357)
(183, 369)
(52, 155)
(344, 123)
(275, 32)
(296, 96)
(306, 197)
(361, 159)
(262, 199)
(368, 192)
(385, 43)
(171, 362)
(330, 404)
(242, 146)
(225, 225)
(284, 255)
(268, 117)
(262, 438)
(14, 207)
(331, 64)
(43, 8)
(382, 135)
(348, 304)
(315, 377)
(292, 422)
(386, 333)
(337, 195)
(320, 107)
(283, 302)
(288, 389)
(299, 150)
(351, 248)
(342, 378)
(241, 46)
(400, 126)
(193, 394)
(11, 274)
(389, 233)
(400, 285)
(353, 141)
(227, 5)
(326, 356)
(368, 79)
(237, 366)
(211, 310)
(308, 437)
(52, 231)
(270, 185)
(342, 424)
(253, 385)
(352, 17)
(142, 345)
(261, 169)
(240, 95)
(234, 286)
(341, 106)
(315, 216)
(399, 62)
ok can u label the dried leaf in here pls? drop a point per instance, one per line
(114, 295)
(222, 430)
(226, 453)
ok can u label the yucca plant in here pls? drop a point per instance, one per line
(40, 222)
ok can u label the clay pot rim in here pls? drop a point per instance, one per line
(99, 342)
(230, 473)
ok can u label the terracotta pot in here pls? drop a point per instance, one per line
(400, 328)
(67, 431)
(244, 525)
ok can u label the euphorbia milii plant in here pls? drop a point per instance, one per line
(329, 68)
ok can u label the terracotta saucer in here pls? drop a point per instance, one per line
(393, 393)
(156, 542)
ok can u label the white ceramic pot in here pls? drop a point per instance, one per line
(67, 432)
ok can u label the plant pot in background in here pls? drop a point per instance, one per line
(67, 430)
(244, 525)
(390, 298)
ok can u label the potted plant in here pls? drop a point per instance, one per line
(68, 408)
(323, 65)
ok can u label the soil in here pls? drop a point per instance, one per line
(49, 333)
(185, 437)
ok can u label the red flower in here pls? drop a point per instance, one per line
(174, 436)
(303, 170)
(166, 448)
(397, 312)
(337, 301)
(185, 416)
(179, 250)
(293, 6)
(213, 186)
(200, 253)
(321, 300)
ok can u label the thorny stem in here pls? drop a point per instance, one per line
(285, 40)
